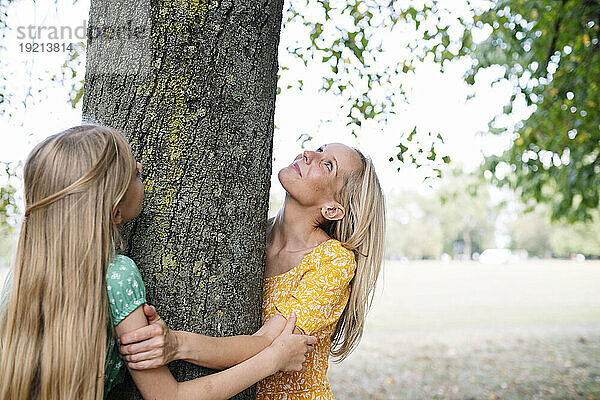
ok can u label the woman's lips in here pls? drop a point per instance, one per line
(297, 168)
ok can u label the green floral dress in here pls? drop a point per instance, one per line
(126, 292)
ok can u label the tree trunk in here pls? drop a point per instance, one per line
(467, 241)
(192, 85)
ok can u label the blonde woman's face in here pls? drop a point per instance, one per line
(131, 205)
(315, 176)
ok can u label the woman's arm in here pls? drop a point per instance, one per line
(223, 352)
(219, 352)
(156, 345)
(287, 352)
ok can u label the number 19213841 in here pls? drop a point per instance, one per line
(50, 47)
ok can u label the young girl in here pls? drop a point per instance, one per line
(69, 288)
(324, 253)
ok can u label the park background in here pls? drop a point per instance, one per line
(450, 319)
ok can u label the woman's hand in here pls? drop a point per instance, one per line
(291, 350)
(271, 329)
(149, 347)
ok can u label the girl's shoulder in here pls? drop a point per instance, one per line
(125, 287)
(121, 259)
(120, 268)
(121, 263)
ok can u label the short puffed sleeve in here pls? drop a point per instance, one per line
(126, 290)
(320, 296)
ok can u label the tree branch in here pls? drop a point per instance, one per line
(552, 48)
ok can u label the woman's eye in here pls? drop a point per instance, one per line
(319, 150)
(329, 166)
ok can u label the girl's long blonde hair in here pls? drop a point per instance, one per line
(54, 326)
(362, 230)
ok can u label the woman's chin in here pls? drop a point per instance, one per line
(285, 176)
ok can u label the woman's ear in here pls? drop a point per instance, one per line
(116, 216)
(333, 212)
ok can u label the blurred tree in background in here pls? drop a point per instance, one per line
(532, 232)
(7, 195)
(535, 232)
(8, 212)
(458, 218)
(466, 213)
(580, 237)
(412, 229)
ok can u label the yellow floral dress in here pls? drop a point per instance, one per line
(317, 290)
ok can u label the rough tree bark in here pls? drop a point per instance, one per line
(192, 85)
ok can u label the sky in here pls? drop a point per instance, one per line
(438, 102)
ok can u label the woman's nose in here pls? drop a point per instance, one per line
(308, 156)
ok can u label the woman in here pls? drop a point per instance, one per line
(324, 253)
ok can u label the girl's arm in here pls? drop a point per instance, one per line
(156, 345)
(287, 352)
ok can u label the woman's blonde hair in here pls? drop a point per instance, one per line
(53, 329)
(362, 230)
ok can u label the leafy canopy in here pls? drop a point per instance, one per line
(548, 49)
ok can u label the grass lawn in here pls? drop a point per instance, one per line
(471, 331)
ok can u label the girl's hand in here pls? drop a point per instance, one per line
(291, 350)
(149, 347)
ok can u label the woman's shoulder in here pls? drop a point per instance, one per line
(333, 251)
